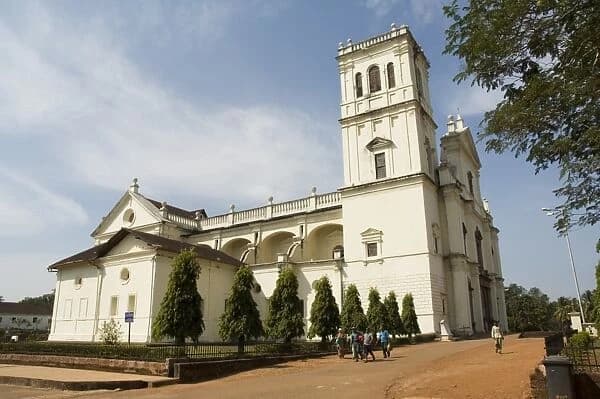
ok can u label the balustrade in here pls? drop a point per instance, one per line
(321, 201)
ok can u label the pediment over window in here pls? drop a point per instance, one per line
(378, 143)
(371, 234)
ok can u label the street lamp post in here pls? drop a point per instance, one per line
(552, 212)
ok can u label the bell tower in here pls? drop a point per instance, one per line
(386, 118)
(389, 197)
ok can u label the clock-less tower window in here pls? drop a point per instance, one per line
(380, 165)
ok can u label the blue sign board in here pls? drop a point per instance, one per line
(128, 317)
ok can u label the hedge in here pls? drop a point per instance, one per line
(160, 352)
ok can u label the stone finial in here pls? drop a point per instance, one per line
(270, 200)
(340, 45)
(459, 123)
(313, 191)
(450, 124)
(163, 205)
(349, 42)
(134, 186)
(486, 205)
(232, 208)
(393, 26)
(198, 215)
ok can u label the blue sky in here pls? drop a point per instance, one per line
(211, 103)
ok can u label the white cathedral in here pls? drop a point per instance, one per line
(405, 220)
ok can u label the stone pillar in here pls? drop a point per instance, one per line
(494, 299)
(477, 301)
(576, 321)
(460, 295)
(501, 304)
(558, 377)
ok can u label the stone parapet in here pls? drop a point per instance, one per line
(87, 363)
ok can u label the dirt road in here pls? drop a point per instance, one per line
(466, 369)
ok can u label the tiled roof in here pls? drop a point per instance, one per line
(175, 210)
(163, 243)
(23, 308)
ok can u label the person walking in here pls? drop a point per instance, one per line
(498, 337)
(384, 340)
(368, 350)
(355, 345)
(340, 340)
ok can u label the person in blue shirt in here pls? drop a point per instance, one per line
(356, 341)
(384, 340)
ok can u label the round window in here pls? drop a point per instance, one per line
(129, 217)
(124, 275)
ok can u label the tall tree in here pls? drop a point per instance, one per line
(241, 318)
(528, 310)
(588, 304)
(376, 314)
(46, 300)
(352, 315)
(180, 313)
(409, 316)
(544, 56)
(596, 312)
(285, 320)
(563, 307)
(395, 325)
(324, 312)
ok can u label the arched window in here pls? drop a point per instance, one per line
(374, 79)
(419, 83)
(429, 156)
(390, 75)
(470, 180)
(478, 239)
(464, 231)
(358, 84)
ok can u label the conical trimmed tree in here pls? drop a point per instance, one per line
(352, 315)
(285, 320)
(324, 312)
(241, 318)
(409, 316)
(395, 325)
(180, 313)
(376, 315)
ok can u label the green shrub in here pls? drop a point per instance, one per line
(110, 333)
(581, 340)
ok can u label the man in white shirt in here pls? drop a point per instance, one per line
(497, 336)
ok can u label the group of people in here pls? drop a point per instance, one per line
(362, 344)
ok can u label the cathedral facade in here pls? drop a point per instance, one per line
(408, 218)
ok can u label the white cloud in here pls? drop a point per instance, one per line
(27, 207)
(109, 122)
(422, 11)
(26, 274)
(470, 100)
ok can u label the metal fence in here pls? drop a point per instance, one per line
(585, 359)
(160, 352)
(211, 350)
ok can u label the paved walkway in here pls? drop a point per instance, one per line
(465, 369)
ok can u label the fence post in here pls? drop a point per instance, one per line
(559, 380)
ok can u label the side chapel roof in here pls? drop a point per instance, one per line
(175, 210)
(167, 244)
